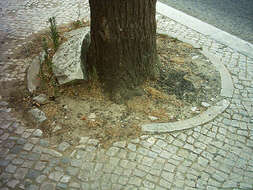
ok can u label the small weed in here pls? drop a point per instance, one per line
(45, 48)
(46, 55)
(50, 44)
(54, 34)
(27, 50)
(46, 72)
(77, 24)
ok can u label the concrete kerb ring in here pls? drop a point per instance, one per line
(208, 115)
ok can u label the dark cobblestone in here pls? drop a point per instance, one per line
(16, 149)
(32, 174)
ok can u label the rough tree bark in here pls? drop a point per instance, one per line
(123, 44)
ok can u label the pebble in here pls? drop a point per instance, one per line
(63, 146)
(194, 109)
(195, 57)
(83, 140)
(41, 99)
(47, 186)
(92, 116)
(205, 104)
(6, 110)
(3, 103)
(57, 128)
(37, 133)
(153, 118)
(38, 115)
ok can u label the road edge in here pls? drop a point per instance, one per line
(221, 36)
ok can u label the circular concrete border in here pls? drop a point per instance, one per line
(208, 115)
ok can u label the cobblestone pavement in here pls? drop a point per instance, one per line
(217, 155)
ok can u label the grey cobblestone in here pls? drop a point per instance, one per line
(28, 146)
(65, 179)
(40, 179)
(4, 163)
(27, 164)
(52, 152)
(40, 166)
(63, 146)
(47, 186)
(74, 184)
(17, 161)
(11, 168)
(72, 171)
(13, 183)
(32, 174)
(56, 176)
(37, 133)
(112, 151)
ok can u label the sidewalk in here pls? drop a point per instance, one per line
(217, 154)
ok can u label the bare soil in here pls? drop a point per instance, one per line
(82, 109)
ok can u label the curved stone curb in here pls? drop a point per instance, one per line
(198, 120)
(208, 115)
(227, 87)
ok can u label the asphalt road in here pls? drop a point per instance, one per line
(232, 16)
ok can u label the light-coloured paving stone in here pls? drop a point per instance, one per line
(112, 151)
(135, 181)
(37, 133)
(52, 152)
(28, 146)
(47, 186)
(63, 146)
(40, 165)
(13, 183)
(17, 161)
(40, 179)
(74, 184)
(56, 176)
(20, 173)
(132, 147)
(11, 168)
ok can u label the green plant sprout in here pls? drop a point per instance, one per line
(54, 34)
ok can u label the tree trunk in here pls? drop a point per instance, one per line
(123, 44)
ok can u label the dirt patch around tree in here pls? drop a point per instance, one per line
(188, 84)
